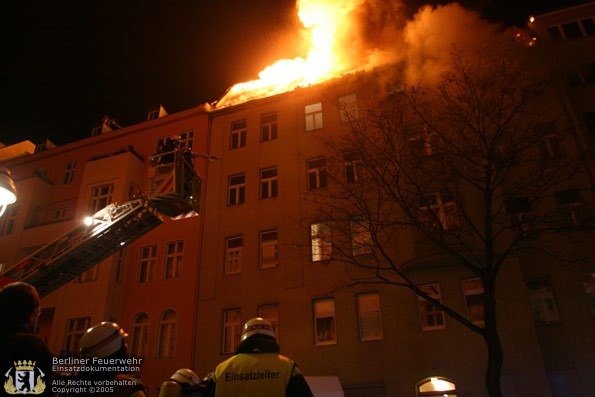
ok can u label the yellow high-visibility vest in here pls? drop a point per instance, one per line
(253, 374)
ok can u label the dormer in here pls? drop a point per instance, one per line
(155, 112)
(106, 125)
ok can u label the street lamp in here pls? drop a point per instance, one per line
(8, 192)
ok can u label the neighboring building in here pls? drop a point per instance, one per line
(150, 286)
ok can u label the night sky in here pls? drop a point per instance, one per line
(66, 64)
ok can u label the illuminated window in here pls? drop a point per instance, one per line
(361, 238)
(324, 322)
(589, 285)
(75, 328)
(237, 189)
(348, 108)
(436, 387)
(238, 134)
(8, 220)
(232, 330)
(101, 196)
(174, 258)
(148, 257)
(271, 313)
(473, 293)
(320, 235)
(69, 173)
(90, 275)
(542, 301)
(268, 249)
(430, 317)
(166, 341)
(139, 335)
(439, 211)
(268, 127)
(313, 114)
(234, 253)
(370, 320)
(268, 183)
(316, 173)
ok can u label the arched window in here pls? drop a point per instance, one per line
(436, 386)
(168, 325)
(139, 335)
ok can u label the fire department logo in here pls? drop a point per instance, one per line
(25, 380)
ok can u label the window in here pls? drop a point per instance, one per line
(352, 167)
(146, 271)
(423, 145)
(174, 257)
(316, 173)
(324, 322)
(431, 318)
(234, 250)
(75, 328)
(8, 221)
(238, 134)
(237, 189)
(268, 183)
(97, 130)
(436, 387)
(571, 209)
(271, 313)
(59, 213)
(232, 330)
(439, 211)
(572, 30)
(153, 114)
(101, 196)
(542, 301)
(361, 238)
(139, 335)
(69, 173)
(589, 118)
(348, 108)
(370, 320)
(269, 256)
(320, 235)
(313, 116)
(517, 209)
(473, 293)
(589, 285)
(268, 127)
(166, 342)
(551, 147)
(90, 275)
(186, 139)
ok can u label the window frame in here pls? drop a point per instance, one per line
(264, 244)
(234, 254)
(69, 170)
(269, 185)
(321, 241)
(317, 178)
(236, 191)
(139, 328)
(238, 134)
(365, 315)
(331, 327)
(427, 309)
(173, 261)
(313, 116)
(473, 293)
(75, 329)
(231, 330)
(269, 127)
(147, 264)
(167, 334)
(100, 199)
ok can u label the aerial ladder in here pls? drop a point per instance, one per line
(174, 191)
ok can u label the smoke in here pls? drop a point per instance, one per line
(379, 32)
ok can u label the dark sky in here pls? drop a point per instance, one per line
(66, 64)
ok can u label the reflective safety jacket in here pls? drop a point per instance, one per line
(253, 374)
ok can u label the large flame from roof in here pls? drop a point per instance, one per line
(324, 19)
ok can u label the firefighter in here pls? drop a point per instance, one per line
(257, 368)
(19, 307)
(107, 340)
(183, 383)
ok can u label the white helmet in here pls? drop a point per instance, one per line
(185, 375)
(102, 340)
(255, 326)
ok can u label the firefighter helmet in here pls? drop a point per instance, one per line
(102, 340)
(185, 375)
(255, 326)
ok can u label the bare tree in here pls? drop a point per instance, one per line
(470, 167)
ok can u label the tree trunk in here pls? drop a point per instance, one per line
(495, 354)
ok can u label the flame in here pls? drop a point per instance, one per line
(324, 20)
